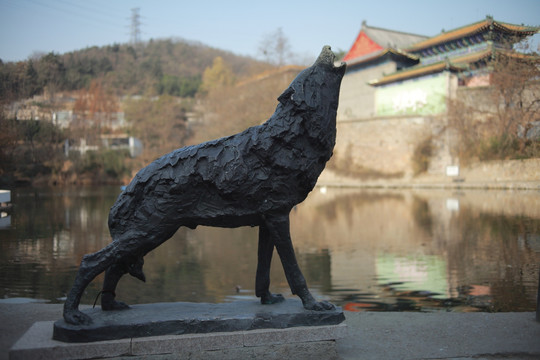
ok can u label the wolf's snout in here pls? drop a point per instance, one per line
(327, 57)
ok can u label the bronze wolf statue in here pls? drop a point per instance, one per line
(253, 178)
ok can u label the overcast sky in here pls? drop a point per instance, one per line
(29, 26)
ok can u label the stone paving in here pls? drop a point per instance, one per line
(369, 335)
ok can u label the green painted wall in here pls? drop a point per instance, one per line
(421, 96)
(420, 272)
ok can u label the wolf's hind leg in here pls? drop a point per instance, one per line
(112, 276)
(262, 279)
(91, 266)
(108, 294)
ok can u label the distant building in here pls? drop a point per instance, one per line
(63, 118)
(412, 74)
(451, 59)
(122, 142)
(375, 52)
(113, 120)
(394, 94)
(108, 141)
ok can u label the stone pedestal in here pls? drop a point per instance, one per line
(192, 318)
(188, 330)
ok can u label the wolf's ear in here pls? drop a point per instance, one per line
(286, 95)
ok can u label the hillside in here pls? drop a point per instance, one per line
(251, 102)
(169, 93)
(168, 66)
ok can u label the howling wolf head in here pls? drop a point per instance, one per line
(321, 81)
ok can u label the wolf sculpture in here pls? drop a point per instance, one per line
(253, 178)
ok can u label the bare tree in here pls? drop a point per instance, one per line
(94, 110)
(275, 48)
(495, 122)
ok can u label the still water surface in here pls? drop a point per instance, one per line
(391, 250)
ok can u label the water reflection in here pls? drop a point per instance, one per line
(365, 250)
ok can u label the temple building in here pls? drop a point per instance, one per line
(394, 95)
(412, 74)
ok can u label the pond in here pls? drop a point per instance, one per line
(365, 250)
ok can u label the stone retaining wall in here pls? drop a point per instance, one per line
(384, 147)
(382, 150)
(500, 174)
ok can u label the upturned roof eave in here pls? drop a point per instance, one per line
(380, 54)
(456, 65)
(472, 29)
(415, 72)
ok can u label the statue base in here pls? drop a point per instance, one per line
(277, 331)
(192, 318)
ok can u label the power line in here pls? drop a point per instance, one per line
(88, 9)
(90, 18)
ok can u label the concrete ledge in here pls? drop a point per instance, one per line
(37, 343)
(298, 342)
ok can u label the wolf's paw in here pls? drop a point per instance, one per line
(76, 317)
(113, 305)
(319, 305)
(109, 303)
(270, 298)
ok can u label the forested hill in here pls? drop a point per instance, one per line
(168, 66)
